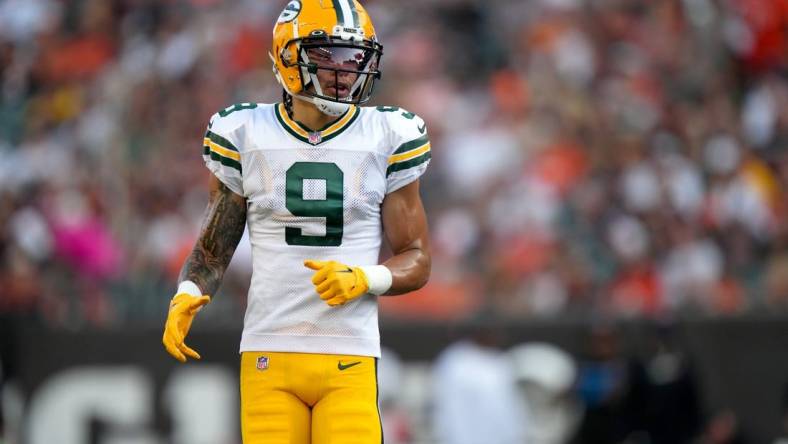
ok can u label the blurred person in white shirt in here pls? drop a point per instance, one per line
(475, 394)
(546, 376)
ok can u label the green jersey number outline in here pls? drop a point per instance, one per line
(237, 107)
(392, 109)
(331, 207)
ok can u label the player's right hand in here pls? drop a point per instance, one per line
(183, 308)
(337, 283)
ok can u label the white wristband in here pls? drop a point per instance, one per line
(378, 277)
(189, 287)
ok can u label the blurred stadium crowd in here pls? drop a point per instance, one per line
(591, 159)
(605, 157)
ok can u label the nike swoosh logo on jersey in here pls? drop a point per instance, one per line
(342, 366)
(349, 270)
(422, 128)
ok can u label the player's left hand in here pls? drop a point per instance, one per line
(337, 283)
(183, 308)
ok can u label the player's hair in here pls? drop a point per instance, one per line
(287, 100)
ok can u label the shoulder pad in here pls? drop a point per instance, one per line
(404, 125)
(232, 117)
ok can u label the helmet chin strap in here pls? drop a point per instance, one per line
(330, 108)
(327, 107)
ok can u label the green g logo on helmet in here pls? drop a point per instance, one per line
(290, 12)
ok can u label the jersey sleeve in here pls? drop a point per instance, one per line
(220, 150)
(410, 152)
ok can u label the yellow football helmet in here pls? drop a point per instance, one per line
(325, 52)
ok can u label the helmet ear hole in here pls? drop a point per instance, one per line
(288, 56)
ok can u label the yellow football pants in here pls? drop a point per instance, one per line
(303, 398)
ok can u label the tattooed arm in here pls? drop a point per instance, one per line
(222, 228)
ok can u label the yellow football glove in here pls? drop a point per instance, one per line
(183, 307)
(337, 283)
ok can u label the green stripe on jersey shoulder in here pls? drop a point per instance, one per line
(413, 144)
(399, 166)
(221, 141)
(226, 161)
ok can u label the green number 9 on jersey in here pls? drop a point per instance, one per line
(331, 207)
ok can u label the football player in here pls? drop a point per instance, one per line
(318, 180)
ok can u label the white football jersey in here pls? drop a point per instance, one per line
(312, 195)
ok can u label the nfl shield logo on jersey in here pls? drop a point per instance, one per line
(315, 137)
(262, 363)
